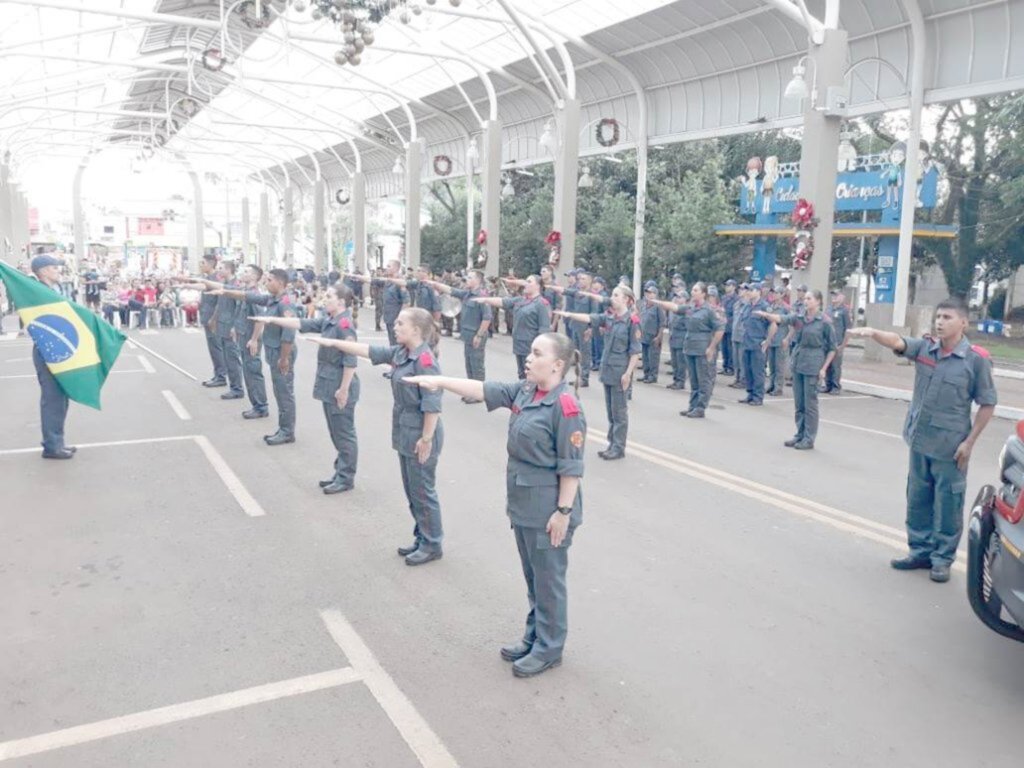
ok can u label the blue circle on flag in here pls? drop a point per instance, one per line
(55, 337)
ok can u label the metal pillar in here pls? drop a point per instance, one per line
(78, 215)
(820, 152)
(566, 162)
(413, 199)
(266, 256)
(19, 220)
(288, 230)
(245, 228)
(490, 194)
(320, 254)
(358, 202)
(6, 233)
(196, 248)
(470, 212)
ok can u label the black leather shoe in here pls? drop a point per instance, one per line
(325, 483)
(584, 384)
(232, 396)
(333, 488)
(420, 557)
(62, 454)
(791, 443)
(387, 375)
(215, 383)
(940, 573)
(72, 448)
(755, 402)
(696, 413)
(737, 385)
(674, 385)
(909, 563)
(403, 551)
(685, 413)
(516, 651)
(804, 445)
(255, 414)
(529, 666)
(613, 456)
(745, 401)
(279, 439)
(602, 454)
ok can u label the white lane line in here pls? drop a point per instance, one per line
(111, 444)
(146, 365)
(176, 406)
(189, 710)
(191, 330)
(245, 500)
(32, 375)
(130, 344)
(19, 360)
(148, 332)
(861, 429)
(427, 747)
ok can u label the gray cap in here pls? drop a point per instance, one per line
(730, 281)
(802, 288)
(45, 260)
(712, 290)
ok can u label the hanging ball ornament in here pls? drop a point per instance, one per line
(356, 60)
(340, 57)
(349, 36)
(359, 44)
(431, 2)
(405, 16)
(350, 50)
(299, 5)
(368, 37)
(317, 14)
(455, 3)
(417, 10)
(348, 16)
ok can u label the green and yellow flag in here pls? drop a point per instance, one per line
(78, 347)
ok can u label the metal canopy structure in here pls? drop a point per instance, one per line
(253, 85)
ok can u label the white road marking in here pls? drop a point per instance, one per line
(149, 332)
(32, 375)
(427, 747)
(191, 330)
(19, 360)
(102, 729)
(130, 344)
(176, 405)
(861, 429)
(111, 444)
(245, 500)
(822, 513)
(146, 365)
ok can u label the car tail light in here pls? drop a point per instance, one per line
(1012, 514)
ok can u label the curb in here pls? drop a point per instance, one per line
(892, 393)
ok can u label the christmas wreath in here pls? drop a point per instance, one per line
(554, 241)
(252, 18)
(213, 60)
(554, 238)
(342, 197)
(442, 165)
(802, 242)
(601, 135)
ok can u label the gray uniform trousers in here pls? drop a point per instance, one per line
(753, 370)
(834, 375)
(53, 406)
(651, 360)
(252, 373)
(544, 568)
(215, 346)
(420, 489)
(776, 370)
(935, 508)
(341, 423)
(586, 349)
(679, 367)
(284, 390)
(618, 417)
(805, 401)
(233, 363)
(700, 383)
(391, 333)
(475, 359)
(737, 356)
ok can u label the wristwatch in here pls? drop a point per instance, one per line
(564, 510)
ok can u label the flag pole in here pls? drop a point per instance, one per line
(159, 357)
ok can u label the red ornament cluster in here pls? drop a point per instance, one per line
(554, 241)
(802, 242)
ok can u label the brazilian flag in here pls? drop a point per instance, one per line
(78, 347)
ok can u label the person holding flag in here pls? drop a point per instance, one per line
(73, 350)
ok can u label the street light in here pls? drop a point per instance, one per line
(398, 169)
(473, 152)
(586, 180)
(507, 190)
(547, 139)
(796, 88)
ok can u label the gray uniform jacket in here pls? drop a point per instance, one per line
(393, 299)
(423, 296)
(841, 322)
(621, 342)
(755, 329)
(652, 320)
(551, 296)
(228, 310)
(778, 308)
(207, 307)
(473, 314)
(677, 325)
(739, 313)
(330, 362)
(244, 327)
(812, 341)
(276, 306)
(939, 418)
(702, 323)
(532, 318)
(410, 402)
(545, 441)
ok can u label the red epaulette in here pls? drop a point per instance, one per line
(545, 301)
(635, 319)
(286, 299)
(981, 351)
(344, 324)
(569, 405)
(426, 359)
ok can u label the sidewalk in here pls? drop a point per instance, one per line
(895, 380)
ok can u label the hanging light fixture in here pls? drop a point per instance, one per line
(847, 155)
(472, 152)
(507, 190)
(398, 169)
(586, 180)
(797, 87)
(547, 139)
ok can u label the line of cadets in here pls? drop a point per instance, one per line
(547, 429)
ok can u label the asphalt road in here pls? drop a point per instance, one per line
(198, 602)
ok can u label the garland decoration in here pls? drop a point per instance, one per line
(802, 242)
(554, 242)
(342, 197)
(601, 135)
(213, 60)
(253, 19)
(442, 165)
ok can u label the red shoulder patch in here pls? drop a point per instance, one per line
(981, 351)
(569, 405)
(286, 299)
(344, 324)
(545, 301)
(426, 359)
(635, 319)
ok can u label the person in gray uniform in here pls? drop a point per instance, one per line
(776, 351)
(336, 384)
(950, 374)
(226, 319)
(531, 317)
(652, 323)
(421, 291)
(740, 308)
(394, 297)
(756, 335)
(704, 332)
(582, 334)
(548, 279)
(677, 339)
(620, 359)
(474, 323)
(546, 436)
(841, 323)
(279, 344)
(207, 315)
(416, 432)
(813, 349)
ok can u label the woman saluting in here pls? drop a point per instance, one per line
(416, 432)
(546, 433)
